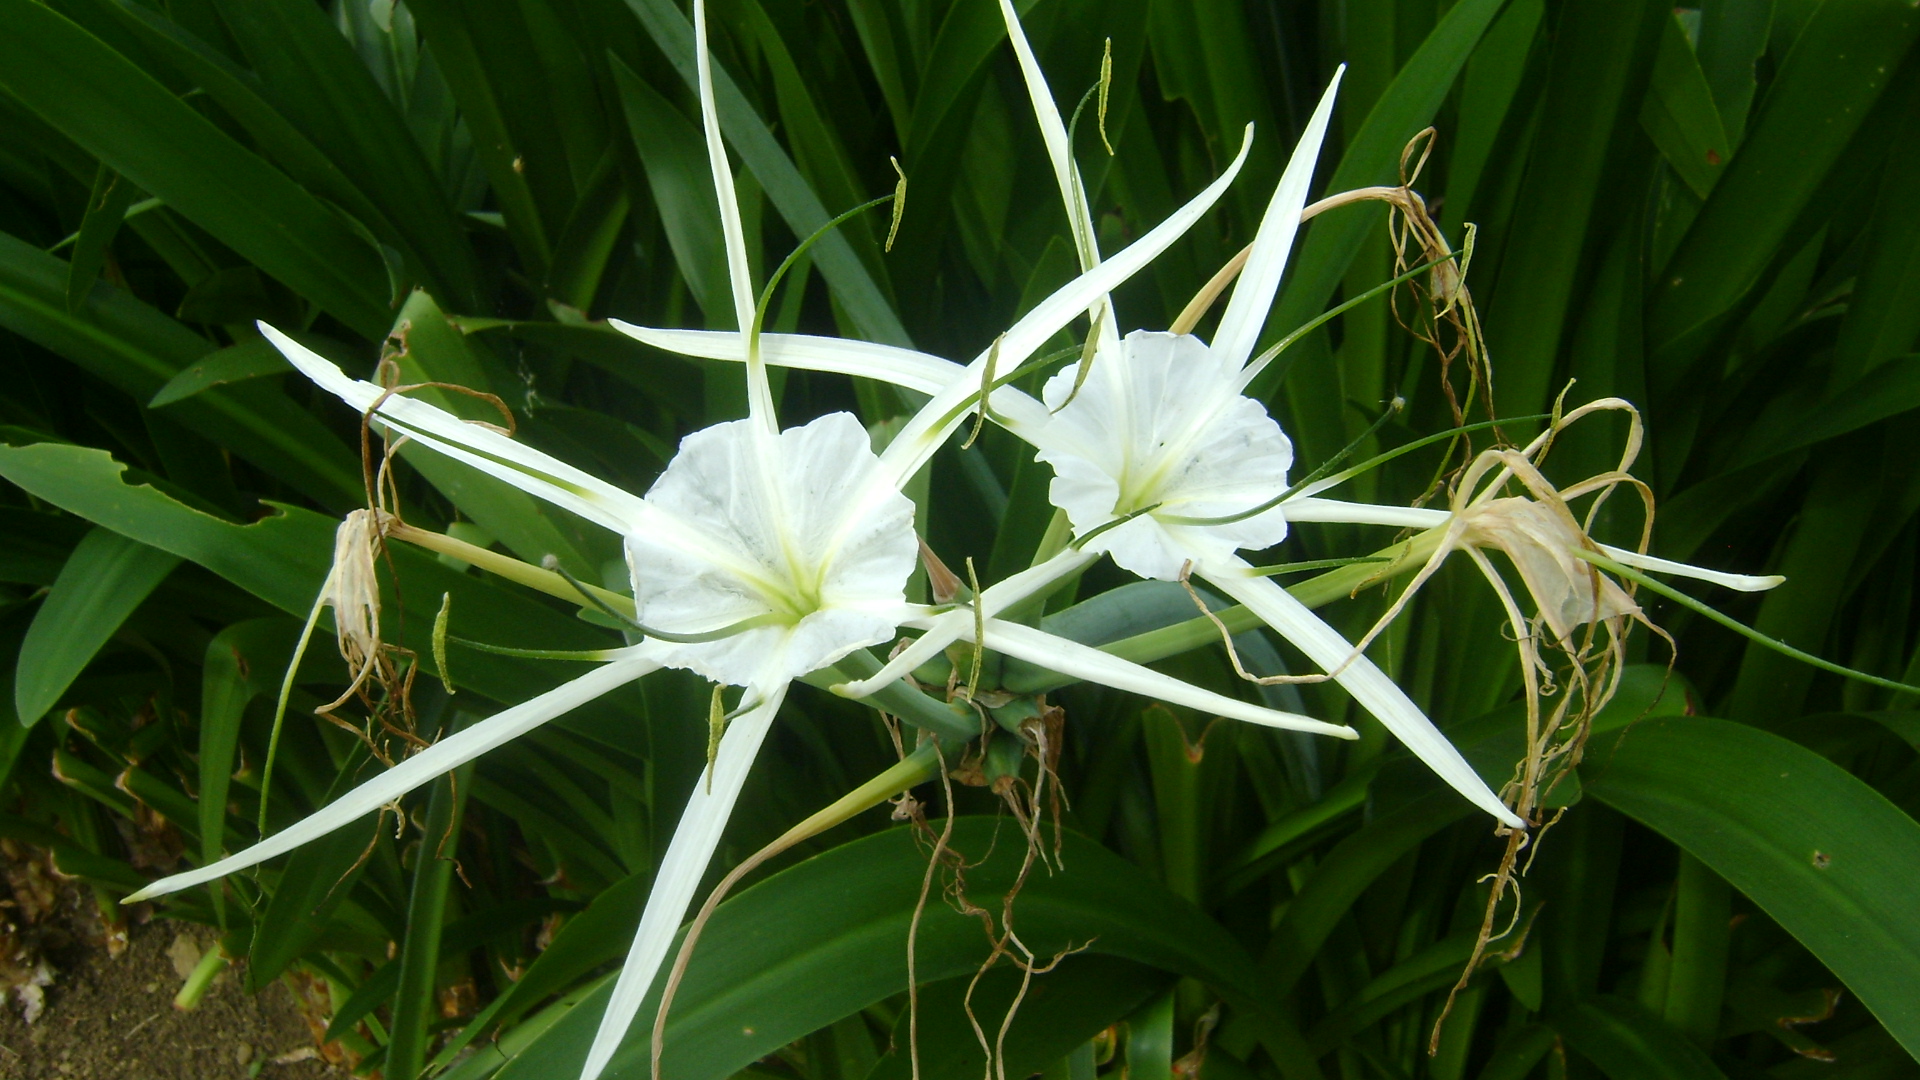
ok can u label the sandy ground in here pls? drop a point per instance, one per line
(106, 1017)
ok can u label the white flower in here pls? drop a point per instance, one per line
(798, 528)
(1161, 461)
(1159, 437)
(1159, 429)
(759, 556)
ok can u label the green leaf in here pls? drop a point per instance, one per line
(828, 937)
(70, 856)
(1883, 315)
(239, 92)
(491, 924)
(817, 147)
(675, 162)
(283, 559)
(243, 661)
(304, 897)
(873, 22)
(1150, 1040)
(1818, 850)
(1519, 1051)
(1841, 501)
(1203, 53)
(36, 546)
(670, 379)
(132, 123)
(1331, 244)
(138, 350)
(1435, 967)
(106, 208)
(1601, 49)
(1487, 95)
(1697, 977)
(1679, 114)
(1789, 423)
(585, 852)
(594, 937)
(1629, 1043)
(415, 1003)
(1821, 93)
(107, 577)
(1411, 804)
(863, 298)
(436, 351)
(511, 145)
(1733, 36)
(1060, 1010)
(591, 233)
(305, 66)
(13, 734)
(232, 295)
(250, 359)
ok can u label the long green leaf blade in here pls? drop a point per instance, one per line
(107, 577)
(1824, 854)
(100, 100)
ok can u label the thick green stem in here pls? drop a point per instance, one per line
(506, 566)
(195, 988)
(1402, 558)
(922, 711)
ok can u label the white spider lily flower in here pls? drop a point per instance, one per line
(811, 526)
(1156, 434)
(759, 556)
(1156, 443)
(802, 540)
(953, 388)
(1160, 444)
(1157, 438)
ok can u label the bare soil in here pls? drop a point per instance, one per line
(111, 1017)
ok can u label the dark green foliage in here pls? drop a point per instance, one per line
(1708, 211)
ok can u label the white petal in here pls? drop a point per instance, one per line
(1307, 508)
(1069, 657)
(1742, 582)
(1253, 295)
(841, 356)
(442, 757)
(1160, 422)
(931, 426)
(1066, 174)
(1367, 683)
(916, 371)
(730, 228)
(946, 628)
(1310, 508)
(691, 849)
(806, 528)
(489, 451)
(1054, 134)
